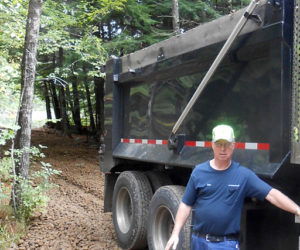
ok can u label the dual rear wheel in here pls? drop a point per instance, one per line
(141, 218)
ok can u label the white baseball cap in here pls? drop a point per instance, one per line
(223, 132)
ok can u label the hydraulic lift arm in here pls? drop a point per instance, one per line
(175, 142)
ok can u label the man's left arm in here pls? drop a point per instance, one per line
(282, 201)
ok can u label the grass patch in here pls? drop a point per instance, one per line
(11, 230)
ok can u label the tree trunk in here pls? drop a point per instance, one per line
(88, 96)
(23, 137)
(99, 95)
(62, 101)
(55, 101)
(65, 119)
(109, 30)
(101, 30)
(77, 119)
(47, 100)
(69, 99)
(175, 14)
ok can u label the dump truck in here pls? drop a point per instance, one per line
(161, 103)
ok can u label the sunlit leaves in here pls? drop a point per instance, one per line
(95, 10)
(9, 73)
(91, 49)
(12, 31)
(55, 24)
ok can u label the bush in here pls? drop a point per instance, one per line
(33, 196)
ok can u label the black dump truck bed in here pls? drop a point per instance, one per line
(250, 90)
(254, 89)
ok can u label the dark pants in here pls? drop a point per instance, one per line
(199, 243)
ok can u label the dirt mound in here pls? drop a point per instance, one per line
(74, 218)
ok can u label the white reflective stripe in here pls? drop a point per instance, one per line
(200, 143)
(239, 145)
(159, 142)
(250, 145)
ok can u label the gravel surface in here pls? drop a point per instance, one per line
(74, 218)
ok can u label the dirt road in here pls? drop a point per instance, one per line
(74, 218)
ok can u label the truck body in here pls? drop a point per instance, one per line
(255, 89)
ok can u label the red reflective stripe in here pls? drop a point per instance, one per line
(151, 141)
(190, 143)
(263, 146)
(207, 144)
(240, 145)
(165, 142)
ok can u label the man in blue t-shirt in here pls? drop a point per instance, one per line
(216, 190)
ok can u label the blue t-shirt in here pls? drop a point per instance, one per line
(217, 197)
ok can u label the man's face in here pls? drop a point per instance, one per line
(223, 150)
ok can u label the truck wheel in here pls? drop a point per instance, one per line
(130, 208)
(158, 179)
(163, 209)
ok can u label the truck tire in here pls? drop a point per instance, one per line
(158, 179)
(163, 209)
(130, 208)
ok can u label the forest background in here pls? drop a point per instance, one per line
(76, 39)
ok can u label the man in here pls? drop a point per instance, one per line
(217, 190)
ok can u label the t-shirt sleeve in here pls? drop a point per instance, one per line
(256, 187)
(190, 194)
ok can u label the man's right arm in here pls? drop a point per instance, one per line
(181, 217)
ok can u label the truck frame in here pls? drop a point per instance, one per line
(255, 89)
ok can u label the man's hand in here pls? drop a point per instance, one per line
(173, 241)
(181, 217)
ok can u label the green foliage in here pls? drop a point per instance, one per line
(12, 34)
(142, 23)
(90, 49)
(131, 28)
(88, 33)
(6, 134)
(9, 91)
(94, 10)
(12, 23)
(5, 170)
(55, 33)
(33, 196)
(192, 14)
(34, 191)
